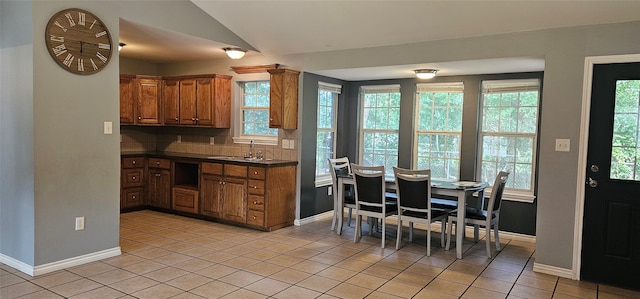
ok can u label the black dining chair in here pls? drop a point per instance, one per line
(489, 217)
(413, 188)
(371, 199)
(340, 166)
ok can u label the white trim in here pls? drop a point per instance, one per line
(589, 61)
(323, 180)
(551, 270)
(264, 140)
(59, 265)
(314, 218)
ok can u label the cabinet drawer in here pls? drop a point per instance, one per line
(256, 202)
(132, 177)
(159, 163)
(185, 200)
(235, 170)
(255, 218)
(212, 168)
(256, 187)
(132, 162)
(257, 173)
(131, 197)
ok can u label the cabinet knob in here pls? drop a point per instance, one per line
(134, 162)
(254, 217)
(255, 172)
(157, 162)
(255, 202)
(176, 119)
(255, 187)
(193, 119)
(197, 119)
(139, 117)
(134, 197)
(134, 178)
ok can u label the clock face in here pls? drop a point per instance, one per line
(78, 41)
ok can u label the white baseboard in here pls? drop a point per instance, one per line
(59, 265)
(317, 217)
(552, 270)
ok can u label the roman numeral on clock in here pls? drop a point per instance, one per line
(68, 60)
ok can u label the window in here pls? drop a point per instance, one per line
(508, 133)
(379, 124)
(255, 109)
(625, 148)
(438, 129)
(326, 134)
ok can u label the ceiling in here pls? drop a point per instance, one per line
(294, 27)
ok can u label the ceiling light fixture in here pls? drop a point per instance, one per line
(235, 53)
(121, 45)
(426, 73)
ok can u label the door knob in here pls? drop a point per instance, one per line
(592, 183)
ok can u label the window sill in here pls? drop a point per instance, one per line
(323, 181)
(263, 140)
(513, 196)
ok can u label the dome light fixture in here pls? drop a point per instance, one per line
(235, 53)
(426, 73)
(121, 45)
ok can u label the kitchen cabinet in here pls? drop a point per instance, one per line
(148, 100)
(132, 184)
(272, 199)
(159, 185)
(283, 106)
(224, 191)
(171, 101)
(185, 200)
(185, 181)
(127, 103)
(202, 100)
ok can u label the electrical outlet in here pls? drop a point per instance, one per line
(285, 143)
(291, 143)
(79, 223)
(211, 140)
(179, 138)
(563, 145)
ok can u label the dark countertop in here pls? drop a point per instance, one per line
(210, 158)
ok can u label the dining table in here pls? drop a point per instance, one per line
(443, 187)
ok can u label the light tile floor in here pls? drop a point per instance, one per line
(168, 256)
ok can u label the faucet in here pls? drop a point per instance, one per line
(251, 148)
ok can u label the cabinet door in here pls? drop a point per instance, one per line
(204, 98)
(132, 177)
(235, 199)
(185, 200)
(149, 101)
(159, 188)
(211, 195)
(283, 105)
(188, 102)
(171, 97)
(127, 106)
(275, 100)
(222, 103)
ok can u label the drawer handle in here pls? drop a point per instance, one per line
(157, 162)
(134, 197)
(176, 119)
(139, 117)
(254, 217)
(255, 172)
(255, 187)
(134, 178)
(134, 162)
(255, 202)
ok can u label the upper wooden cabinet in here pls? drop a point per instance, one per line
(202, 100)
(283, 106)
(149, 100)
(127, 103)
(140, 100)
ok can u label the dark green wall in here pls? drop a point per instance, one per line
(515, 217)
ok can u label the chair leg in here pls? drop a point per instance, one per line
(410, 231)
(429, 239)
(349, 220)
(356, 236)
(399, 234)
(497, 238)
(383, 229)
(476, 232)
(443, 224)
(450, 225)
(488, 241)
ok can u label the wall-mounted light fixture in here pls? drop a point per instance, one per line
(235, 53)
(121, 45)
(426, 73)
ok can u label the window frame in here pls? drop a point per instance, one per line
(448, 87)
(325, 179)
(239, 137)
(392, 88)
(505, 86)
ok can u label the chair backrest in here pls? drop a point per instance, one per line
(369, 185)
(413, 188)
(338, 166)
(496, 192)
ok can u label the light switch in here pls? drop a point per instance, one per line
(563, 145)
(108, 127)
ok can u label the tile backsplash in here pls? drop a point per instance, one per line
(197, 141)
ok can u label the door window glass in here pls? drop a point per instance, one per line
(625, 150)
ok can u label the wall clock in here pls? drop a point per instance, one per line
(78, 41)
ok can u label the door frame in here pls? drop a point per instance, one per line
(589, 62)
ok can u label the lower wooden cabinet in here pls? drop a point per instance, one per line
(234, 207)
(185, 200)
(159, 184)
(132, 182)
(211, 195)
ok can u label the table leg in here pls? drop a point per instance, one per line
(339, 209)
(462, 197)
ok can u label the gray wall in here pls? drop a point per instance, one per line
(16, 131)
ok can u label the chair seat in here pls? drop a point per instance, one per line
(392, 207)
(435, 213)
(474, 214)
